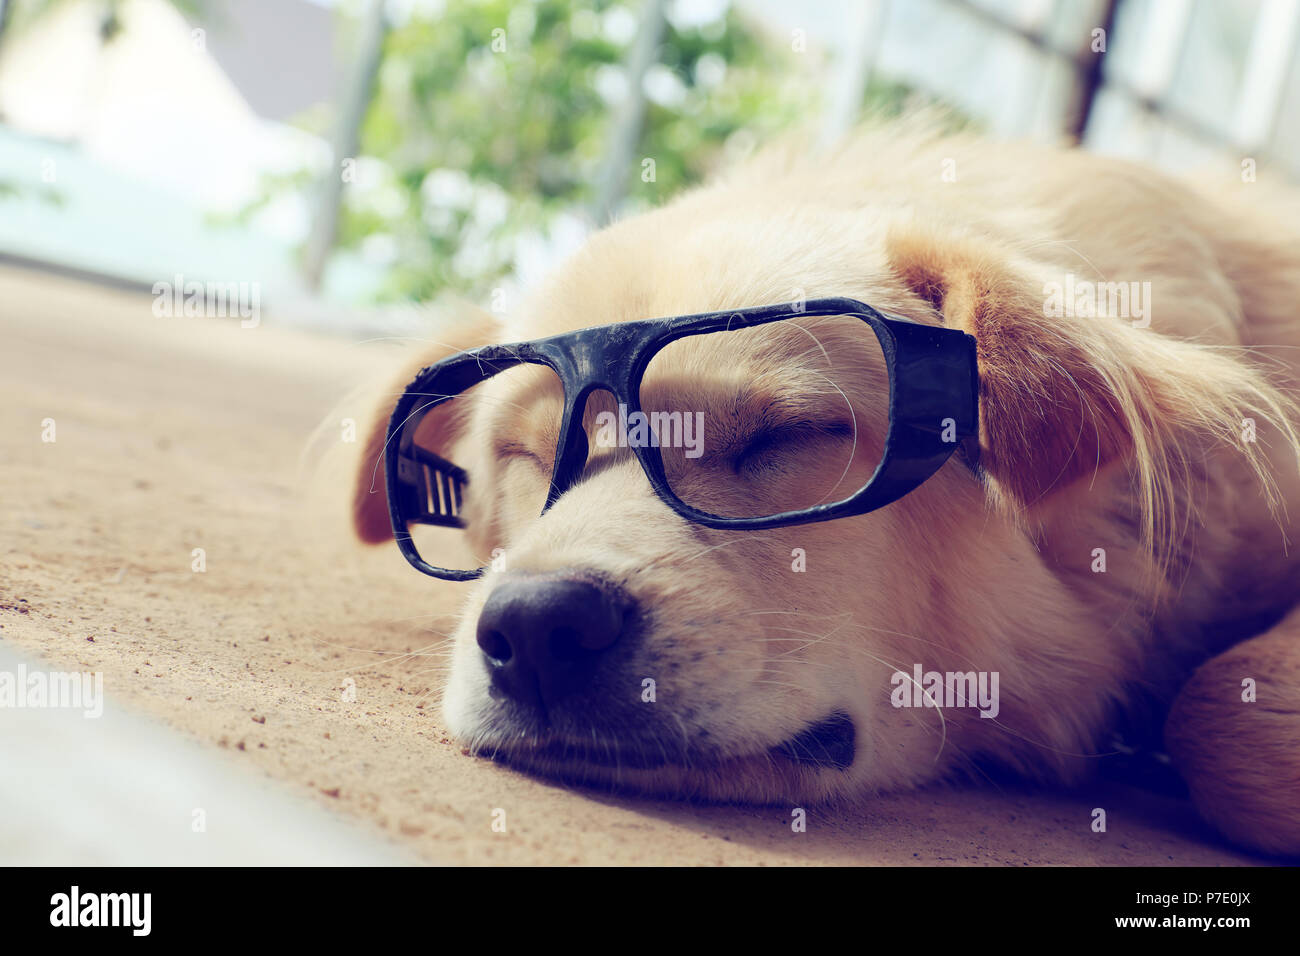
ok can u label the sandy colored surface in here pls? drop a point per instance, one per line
(122, 789)
(176, 434)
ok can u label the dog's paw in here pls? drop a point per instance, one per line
(1234, 733)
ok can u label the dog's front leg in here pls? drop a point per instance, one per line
(1234, 733)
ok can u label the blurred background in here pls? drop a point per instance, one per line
(353, 156)
(335, 162)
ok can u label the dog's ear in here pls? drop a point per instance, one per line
(471, 329)
(1048, 408)
(1062, 396)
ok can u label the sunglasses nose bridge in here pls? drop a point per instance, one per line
(570, 457)
(598, 367)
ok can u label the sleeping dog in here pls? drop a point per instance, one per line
(814, 596)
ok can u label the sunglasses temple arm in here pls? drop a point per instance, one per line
(431, 488)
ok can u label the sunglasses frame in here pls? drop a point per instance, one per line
(932, 378)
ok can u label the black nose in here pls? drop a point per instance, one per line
(544, 635)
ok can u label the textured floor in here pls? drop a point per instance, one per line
(177, 434)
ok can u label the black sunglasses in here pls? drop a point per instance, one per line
(933, 412)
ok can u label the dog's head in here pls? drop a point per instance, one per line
(621, 643)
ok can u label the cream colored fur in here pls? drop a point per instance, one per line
(1095, 434)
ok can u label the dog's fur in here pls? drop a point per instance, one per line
(1095, 434)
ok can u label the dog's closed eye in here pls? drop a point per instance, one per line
(507, 450)
(767, 447)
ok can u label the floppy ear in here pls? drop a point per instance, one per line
(1062, 396)
(1048, 409)
(438, 430)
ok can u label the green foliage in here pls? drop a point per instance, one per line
(491, 119)
(483, 145)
